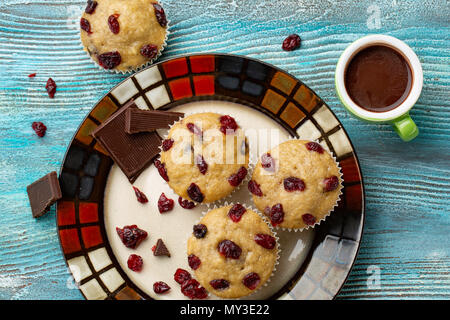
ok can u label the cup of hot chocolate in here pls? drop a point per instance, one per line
(379, 79)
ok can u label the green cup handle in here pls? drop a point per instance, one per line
(405, 127)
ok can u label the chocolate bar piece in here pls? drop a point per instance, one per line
(132, 153)
(161, 249)
(43, 193)
(138, 120)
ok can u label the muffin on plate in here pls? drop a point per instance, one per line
(205, 157)
(123, 35)
(233, 251)
(296, 184)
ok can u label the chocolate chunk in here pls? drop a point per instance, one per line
(137, 120)
(161, 249)
(132, 153)
(43, 193)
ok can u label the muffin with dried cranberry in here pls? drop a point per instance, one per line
(123, 35)
(233, 251)
(296, 184)
(204, 157)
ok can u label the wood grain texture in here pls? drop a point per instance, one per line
(406, 234)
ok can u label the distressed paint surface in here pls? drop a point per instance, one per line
(406, 234)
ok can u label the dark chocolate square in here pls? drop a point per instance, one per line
(43, 193)
(131, 152)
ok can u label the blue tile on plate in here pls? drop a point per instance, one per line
(257, 70)
(74, 158)
(230, 83)
(86, 187)
(68, 183)
(252, 88)
(91, 166)
(230, 64)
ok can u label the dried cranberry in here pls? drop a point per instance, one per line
(291, 43)
(236, 178)
(32, 75)
(161, 169)
(160, 15)
(267, 162)
(293, 184)
(192, 289)
(51, 88)
(167, 144)
(265, 240)
(195, 193)
(236, 212)
(131, 236)
(200, 230)
(141, 197)
(181, 276)
(165, 204)
(113, 23)
(254, 188)
(314, 146)
(227, 125)
(85, 25)
(90, 7)
(39, 128)
(160, 287)
(186, 204)
(109, 60)
(135, 262)
(201, 164)
(276, 214)
(194, 261)
(149, 51)
(229, 249)
(194, 129)
(251, 280)
(309, 219)
(331, 183)
(219, 284)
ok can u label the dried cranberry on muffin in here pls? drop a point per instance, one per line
(204, 158)
(232, 251)
(296, 184)
(123, 35)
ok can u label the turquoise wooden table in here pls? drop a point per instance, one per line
(405, 251)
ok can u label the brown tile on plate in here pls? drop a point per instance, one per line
(283, 82)
(306, 98)
(292, 115)
(105, 108)
(273, 101)
(43, 193)
(137, 120)
(132, 153)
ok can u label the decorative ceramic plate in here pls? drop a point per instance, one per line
(97, 197)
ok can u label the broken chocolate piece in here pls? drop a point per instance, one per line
(161, 249)
(43, 193)
(132, 153)
(137, 120)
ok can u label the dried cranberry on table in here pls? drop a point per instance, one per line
(140, 196)
(51, 88)
(131, 236)
(292, 42)
(39, 128)
(186, 204)
(135, 262)
(32, 75)
(192, 289)
(165, 204)
(181, 276)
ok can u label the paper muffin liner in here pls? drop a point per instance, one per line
(341, 187)
(137, 68)
(274, 233)
(244, 181)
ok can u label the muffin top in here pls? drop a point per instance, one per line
(296, 184)
(233, 251)
(123, 35)
(205, 157)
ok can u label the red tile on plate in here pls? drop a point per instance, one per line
(88, 212)
(202, 64)
(180, 88)
(353, 198)
(69, 240)
(204, 85)
(175, 68)
(66, 213)
(91, 236)
(350, 169)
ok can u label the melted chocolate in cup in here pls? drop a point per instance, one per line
(378, 78)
